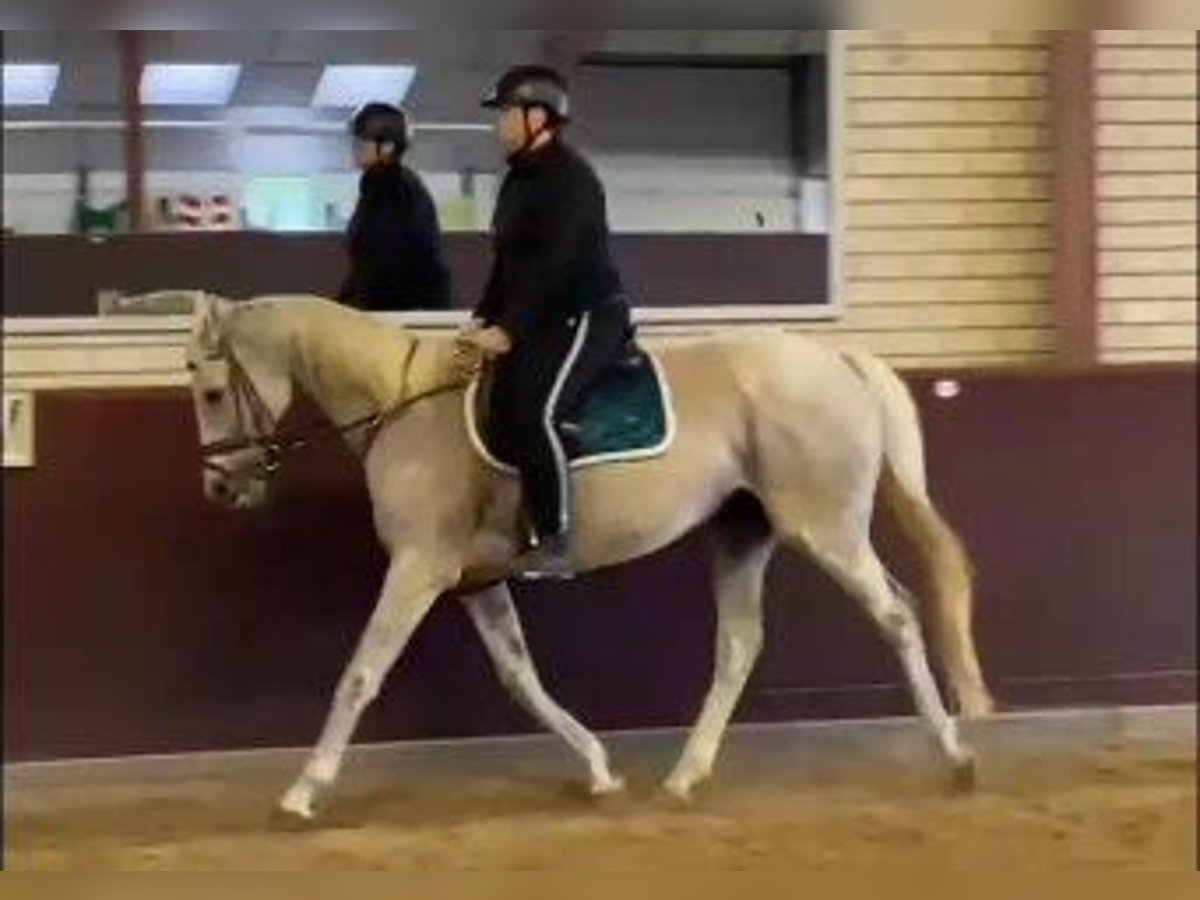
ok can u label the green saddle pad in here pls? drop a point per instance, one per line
(625, 413)
(625, 417)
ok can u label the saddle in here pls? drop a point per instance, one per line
(626, 416)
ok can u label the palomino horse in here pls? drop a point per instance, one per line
(814, 436)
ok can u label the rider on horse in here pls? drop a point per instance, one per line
(554, 316)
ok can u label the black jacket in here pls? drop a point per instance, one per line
(551, 238)
(395, 245)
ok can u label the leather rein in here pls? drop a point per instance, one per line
(258, 427)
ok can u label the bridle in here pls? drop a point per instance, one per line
(257, 426)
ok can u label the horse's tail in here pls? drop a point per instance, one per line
(904, 490)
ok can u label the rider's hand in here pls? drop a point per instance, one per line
(468, 359)
(476, 345)
(491, 342)
(472, 326)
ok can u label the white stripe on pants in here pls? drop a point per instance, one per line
(551, 432)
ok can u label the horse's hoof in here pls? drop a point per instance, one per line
(610, 787)
(298, 807)
(292, 821)
(966, 777)
(289, 822)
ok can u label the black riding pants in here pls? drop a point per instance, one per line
(538, 384)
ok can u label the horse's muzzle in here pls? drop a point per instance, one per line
(234, 494)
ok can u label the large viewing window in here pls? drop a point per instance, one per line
(717, 149)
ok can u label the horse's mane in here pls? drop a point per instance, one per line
(336, 346)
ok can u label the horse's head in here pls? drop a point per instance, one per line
(241, 388)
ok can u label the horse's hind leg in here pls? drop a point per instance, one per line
(495, 617)
(744, 548)
(845, 551)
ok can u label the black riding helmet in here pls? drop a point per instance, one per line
(529, 87)
(382, 123)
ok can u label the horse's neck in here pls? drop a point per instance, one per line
(354, 367)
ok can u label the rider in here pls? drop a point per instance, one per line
(553, 316)
(394, 240)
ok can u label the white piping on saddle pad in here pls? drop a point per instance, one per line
(603, 459)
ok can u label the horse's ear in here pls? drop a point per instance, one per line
(210, 313)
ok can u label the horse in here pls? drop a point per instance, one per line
(810, 436)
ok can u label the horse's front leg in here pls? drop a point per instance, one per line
(409, 592)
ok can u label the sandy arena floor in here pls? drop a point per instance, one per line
(1113, 810)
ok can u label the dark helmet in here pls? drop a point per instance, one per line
(526, 87)
(382, 123)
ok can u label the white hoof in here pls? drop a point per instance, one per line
(608, 787)
(299, 803)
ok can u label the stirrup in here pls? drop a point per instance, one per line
(549, 560)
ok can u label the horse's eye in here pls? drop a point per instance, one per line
(214, 397)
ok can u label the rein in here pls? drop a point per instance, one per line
(276, 447)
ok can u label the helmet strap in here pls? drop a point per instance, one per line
(532, 136)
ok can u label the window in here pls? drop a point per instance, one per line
(717, 148)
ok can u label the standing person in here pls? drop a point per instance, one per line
(554, 316)
(394, 240)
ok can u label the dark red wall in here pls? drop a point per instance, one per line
(139, 620)
(61, 276)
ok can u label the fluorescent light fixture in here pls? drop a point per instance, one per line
(30, 84)
(190, 84)
(348, 87)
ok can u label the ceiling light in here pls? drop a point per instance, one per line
(348, 87)
(174, 84)
(30, 84)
